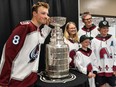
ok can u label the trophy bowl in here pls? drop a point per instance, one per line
(57, 21)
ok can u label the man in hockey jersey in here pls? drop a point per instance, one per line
(104, 46)
(20, 57)
(89, 29)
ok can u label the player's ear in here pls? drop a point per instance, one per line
(34, 13)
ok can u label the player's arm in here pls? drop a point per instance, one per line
(10, 51)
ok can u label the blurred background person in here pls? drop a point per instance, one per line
(89, 29)
(104, 46)
(85, 60)
(71, 39)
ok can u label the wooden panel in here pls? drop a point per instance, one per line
(99, 7)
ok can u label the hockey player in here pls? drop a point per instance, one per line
(20, 57)
(104, 46)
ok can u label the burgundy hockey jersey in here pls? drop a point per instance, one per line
(20, 57)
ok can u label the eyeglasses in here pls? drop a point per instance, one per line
(72, 28)
(88, 19)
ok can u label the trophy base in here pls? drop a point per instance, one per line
(45, 78)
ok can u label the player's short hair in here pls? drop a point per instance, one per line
(39, 4)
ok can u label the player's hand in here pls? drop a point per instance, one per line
(90, 75)
(94, 75)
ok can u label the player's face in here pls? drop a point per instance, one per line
(85, 43)
(42, 15)
(104, 31)
(72, 29)
(88, 20)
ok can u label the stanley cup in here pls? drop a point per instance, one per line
(57, 51)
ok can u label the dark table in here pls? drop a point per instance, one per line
(80, 81)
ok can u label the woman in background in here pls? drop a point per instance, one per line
(71, 39)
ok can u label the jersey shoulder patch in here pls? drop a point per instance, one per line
(25, 22)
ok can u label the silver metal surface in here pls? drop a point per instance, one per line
(57, 51)
(46, 79)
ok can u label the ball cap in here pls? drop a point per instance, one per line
(84, 37)
(103, 24)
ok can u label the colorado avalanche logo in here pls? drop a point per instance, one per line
(34, 53)
(104, 53)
